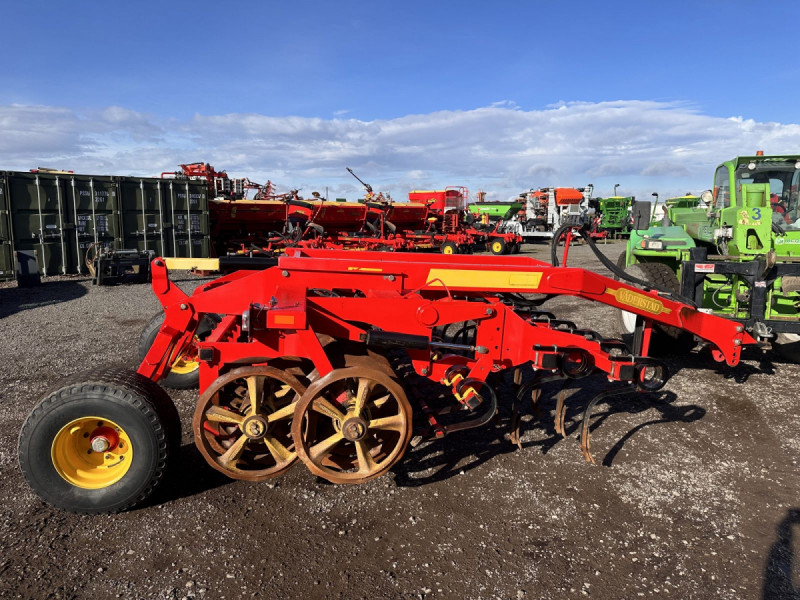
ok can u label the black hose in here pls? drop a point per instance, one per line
(608, 264)
(518, 300)
(463, 332)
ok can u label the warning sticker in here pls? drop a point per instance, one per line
(704, 268)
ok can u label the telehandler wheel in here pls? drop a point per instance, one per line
(664, 339)
(622, 259)
(449, 248)
(788, 346)
(185, 372)
(101, 443)
(498, 246)
(353, 424)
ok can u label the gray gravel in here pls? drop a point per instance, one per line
(696, 496)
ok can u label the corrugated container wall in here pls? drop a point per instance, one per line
(60, 216)
(142, 215)
(187, 207)
(6, 243)
(40, 220)
(95, 213)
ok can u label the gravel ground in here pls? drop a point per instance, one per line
(695, 494)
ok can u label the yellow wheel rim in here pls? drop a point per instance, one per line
(184, 367)
(448, 249)
(497, 247)
(81, 464)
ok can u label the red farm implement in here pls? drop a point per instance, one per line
(298, 368)
(266, 225)
(219, 184)
(450, 216)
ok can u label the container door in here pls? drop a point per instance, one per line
(95, 214)
(6, 244)
(40, 221)
(189, 211)
(143, 221)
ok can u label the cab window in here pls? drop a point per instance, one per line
(722, 189)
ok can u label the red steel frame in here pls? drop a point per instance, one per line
(276, 312)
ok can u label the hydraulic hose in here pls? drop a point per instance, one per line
(608, 264)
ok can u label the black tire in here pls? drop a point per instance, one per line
(664, 339)
(621, 260)
(498, 246)
(175, 381)
(449, 248)
(141, 408)
(515, 248)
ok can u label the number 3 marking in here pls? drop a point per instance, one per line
(756, 214)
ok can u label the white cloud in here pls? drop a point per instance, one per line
(643, 145)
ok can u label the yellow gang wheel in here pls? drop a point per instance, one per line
(449, 248)
(498, 246)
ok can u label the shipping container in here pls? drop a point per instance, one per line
(6, 244)
(187, 209)
(60, 217)
(95, 213)
(40, 220)
(142, 215)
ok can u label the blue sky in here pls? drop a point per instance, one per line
(413, 94)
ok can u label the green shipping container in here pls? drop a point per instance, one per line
(40, 219)
(196, 247)
(95, 214)
(142, 216)
(187, 207)
(61, 216)
(6, 244)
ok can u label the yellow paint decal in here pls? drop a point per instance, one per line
(640, 301)
(477, 278)
(366, 269)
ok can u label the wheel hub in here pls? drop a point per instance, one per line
(91, 453)
(104, 439)
(354, 429)
(255, 427)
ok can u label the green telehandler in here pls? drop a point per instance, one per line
(735, 253)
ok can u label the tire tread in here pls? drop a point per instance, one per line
(129, 387)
